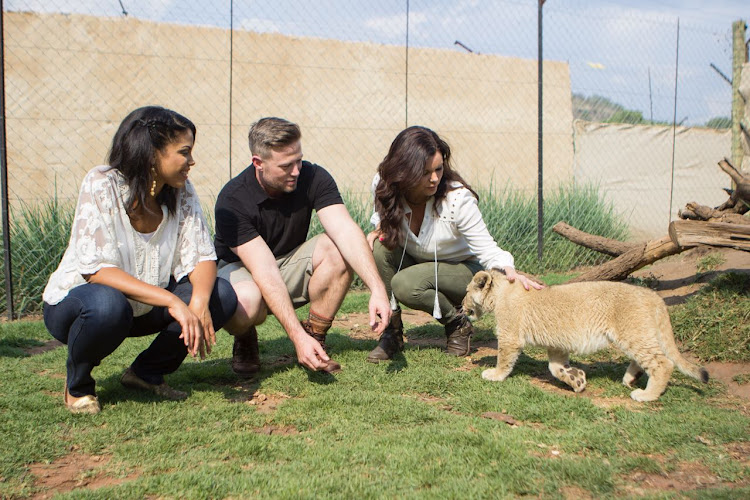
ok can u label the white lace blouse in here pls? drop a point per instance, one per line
(454, 231)
(102, 236)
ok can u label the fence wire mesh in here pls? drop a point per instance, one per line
(631, 105)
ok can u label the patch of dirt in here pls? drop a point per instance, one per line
(725, 373)
(357, 325)
(47, 346)
(266, 403)
(72, 472)
(277, 430)
(687, 476)
(676, 278)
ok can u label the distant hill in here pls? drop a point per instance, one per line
(594, 108)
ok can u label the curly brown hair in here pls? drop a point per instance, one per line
(401, 171)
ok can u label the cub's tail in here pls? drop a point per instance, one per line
(666, 340)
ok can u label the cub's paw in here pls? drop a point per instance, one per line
(642, 396)
(574, 377)
(493, 374)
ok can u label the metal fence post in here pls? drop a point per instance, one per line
(540, 180)
(4, 179)
(739, 56)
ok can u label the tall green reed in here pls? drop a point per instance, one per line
(39, 234)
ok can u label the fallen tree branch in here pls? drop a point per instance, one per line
(597, 243)
(637, 257)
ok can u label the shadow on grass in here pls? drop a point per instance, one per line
(22, 347)
(611, 370)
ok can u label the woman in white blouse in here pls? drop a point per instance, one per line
(430, 239)
(140, 261)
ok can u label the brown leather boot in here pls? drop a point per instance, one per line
(245, 355)
(459, 332)
(333, 366)
(391, 340)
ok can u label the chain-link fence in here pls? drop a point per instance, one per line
(353, 74)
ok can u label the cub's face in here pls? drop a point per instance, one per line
(477, 293)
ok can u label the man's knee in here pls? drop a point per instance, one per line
(251, 308)
(327, 254)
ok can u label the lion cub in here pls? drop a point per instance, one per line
(580, 318)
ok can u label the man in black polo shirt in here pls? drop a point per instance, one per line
(262, 220)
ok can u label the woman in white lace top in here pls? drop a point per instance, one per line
(140, 261)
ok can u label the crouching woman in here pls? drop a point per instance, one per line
(140, 261)
(430, 239)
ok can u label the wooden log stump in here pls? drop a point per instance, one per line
(687, 233)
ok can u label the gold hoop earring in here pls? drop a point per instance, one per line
(153, 183)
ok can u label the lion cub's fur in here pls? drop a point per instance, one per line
(580, 318)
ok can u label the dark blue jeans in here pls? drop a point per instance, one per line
(93, 320)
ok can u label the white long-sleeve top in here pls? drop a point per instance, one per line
(102, 236)
(454, 232)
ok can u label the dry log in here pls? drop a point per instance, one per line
(639, 256)
(738, 202)
(695, 211)
(686, 233)
(598, 243)
(739, 199)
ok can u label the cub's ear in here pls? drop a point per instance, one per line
(483, 279)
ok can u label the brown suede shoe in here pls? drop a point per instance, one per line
(131, 380)
(245, 354)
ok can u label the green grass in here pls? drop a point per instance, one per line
(709, 262)
(715, 323)
(413, 428)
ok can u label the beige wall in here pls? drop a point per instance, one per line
(70, 79)
(745, 136)
(633, 166)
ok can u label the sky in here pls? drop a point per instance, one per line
(625, 50)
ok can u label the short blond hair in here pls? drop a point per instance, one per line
(272, 133)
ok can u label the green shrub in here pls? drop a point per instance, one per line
(511, 218)
(39, 235)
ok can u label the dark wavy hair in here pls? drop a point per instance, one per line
(143, 133)
(401, 170)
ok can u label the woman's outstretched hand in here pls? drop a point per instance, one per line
(511, 275)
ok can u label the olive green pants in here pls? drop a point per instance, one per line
(414, 284)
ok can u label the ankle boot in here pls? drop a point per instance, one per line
(391, 340)
(458, 332)
(333, 366)
(245, 354)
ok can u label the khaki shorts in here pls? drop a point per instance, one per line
(296, 269)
